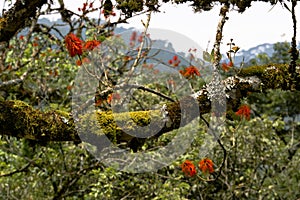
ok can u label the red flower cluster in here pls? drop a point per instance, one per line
(76, 46)
(98, 102)
(148, 66)
(206, 165)
(226, 66)
(244, 111)
(133, 36)
(73, 44)
(90, 45)
(174, 61)
(190, 72)
(84, 7)
(136, 38)
(113, 96)
(81, 61)
(188, 168)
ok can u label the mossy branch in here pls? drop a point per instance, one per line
(17, 119)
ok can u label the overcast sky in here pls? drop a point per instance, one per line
(259, 24)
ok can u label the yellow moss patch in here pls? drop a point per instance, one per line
(116, 126)
(2, 22)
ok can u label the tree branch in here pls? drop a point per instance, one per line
(18, 119)
(16, 17)
(294, 51)
(217, 55)
(23, 169)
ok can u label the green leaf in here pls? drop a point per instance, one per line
(206, 56)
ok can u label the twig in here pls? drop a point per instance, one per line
(216, 64)
(136, 61)
(17, 171)
(145, 89)
(219, 36)
(14, 82)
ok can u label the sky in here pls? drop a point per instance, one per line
(259, 24)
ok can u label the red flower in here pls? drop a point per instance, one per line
(191, 72)
(78, 62)
(148, 66)
(244, 111)
(140, 39)
(206, 165)
(69, 87)
(133, 36)
(98, 102)
(181, 72)
(156, 71)
(177, 63)
(174, 61)
(188, 168)
(226, 66)
(90, 45)
(73, 44)
(86, 60)
(113, 96)
(127, 58)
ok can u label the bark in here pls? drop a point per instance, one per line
(17, 119)
(16, 17)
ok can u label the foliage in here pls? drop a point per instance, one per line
(209, 4)
(261, 140)
(44, 61)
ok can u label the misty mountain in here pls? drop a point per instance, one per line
(241, 55)
(247, 55)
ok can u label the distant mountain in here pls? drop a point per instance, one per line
(60, 25)
(241, 55)
(64, 30)
(247, 55)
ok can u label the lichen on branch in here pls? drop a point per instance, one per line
(18, 119)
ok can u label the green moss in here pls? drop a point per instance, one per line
(252, 71)
(273, 76)
(20, 120)
(26, 118)
(117, 126)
